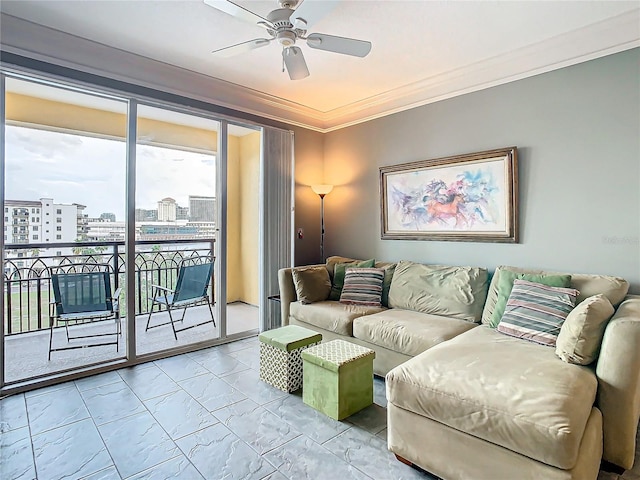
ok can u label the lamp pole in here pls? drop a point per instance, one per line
(322, 191)
(322, 195)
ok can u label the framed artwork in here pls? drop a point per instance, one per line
(465, 198)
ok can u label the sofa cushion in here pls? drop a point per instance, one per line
(515, 394)
(581, 333)
(406, 331)
(363, 286)
(312, 283)
(614, 288)
(333, 316)
(535, 312)
(457, 292)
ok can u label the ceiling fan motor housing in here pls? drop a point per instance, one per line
(284, 31)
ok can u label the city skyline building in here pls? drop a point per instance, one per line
(42, 221)
(167, 210)
(145, 215)
(182, 213)
(202, 209)
(45, 221)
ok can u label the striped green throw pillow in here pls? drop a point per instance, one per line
(362, 286)
(536, 312)
(339, 271)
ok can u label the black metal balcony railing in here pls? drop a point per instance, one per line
(28, 288)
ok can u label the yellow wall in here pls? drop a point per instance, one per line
(171, 135)
(250, 215)
(59, 116)
(234, 278)
(243, 202)
(65, 117)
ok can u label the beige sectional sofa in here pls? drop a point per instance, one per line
(466, 401)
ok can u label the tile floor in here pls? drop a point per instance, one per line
(194, 416)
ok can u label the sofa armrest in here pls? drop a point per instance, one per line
(618, 372)
(288, 290)
(287, 293)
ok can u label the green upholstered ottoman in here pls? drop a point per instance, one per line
(280, 361)
(338, 378)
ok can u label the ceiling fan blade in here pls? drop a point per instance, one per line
(237, 11)
(243, 47)
(346, 46)
(310, 11)
(294, 61)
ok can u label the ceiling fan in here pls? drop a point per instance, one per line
(287, 24)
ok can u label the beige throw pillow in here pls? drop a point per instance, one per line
(312, 283)
(581, 333)
(457, 292)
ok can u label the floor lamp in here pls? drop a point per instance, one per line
(321, 191)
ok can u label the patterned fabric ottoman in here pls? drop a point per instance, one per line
(280, 361)
(338, 378)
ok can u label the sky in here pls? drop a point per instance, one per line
(92, 171)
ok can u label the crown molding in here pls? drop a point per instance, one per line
(597, 40)
(593, 41)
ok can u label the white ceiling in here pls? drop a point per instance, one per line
(423, 51)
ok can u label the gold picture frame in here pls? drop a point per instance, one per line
(463, 198)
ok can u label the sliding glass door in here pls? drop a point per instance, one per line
(132, 231)
(64, 171)
(175, 230)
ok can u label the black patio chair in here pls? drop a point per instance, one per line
(190, 290)
(81, 298)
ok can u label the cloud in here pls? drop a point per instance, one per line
(92, 171)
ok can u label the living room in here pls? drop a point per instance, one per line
(577, 133)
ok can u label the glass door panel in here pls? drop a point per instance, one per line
(64, 210)
(244, 153)
(175, 215)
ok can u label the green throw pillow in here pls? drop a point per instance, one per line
(338, 276)
(505, 284)
(386, 285)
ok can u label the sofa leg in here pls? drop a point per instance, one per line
(609, 467)
(404, 460)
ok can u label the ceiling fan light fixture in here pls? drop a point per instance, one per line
(286, 38)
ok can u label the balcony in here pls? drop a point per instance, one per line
(28, 291)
